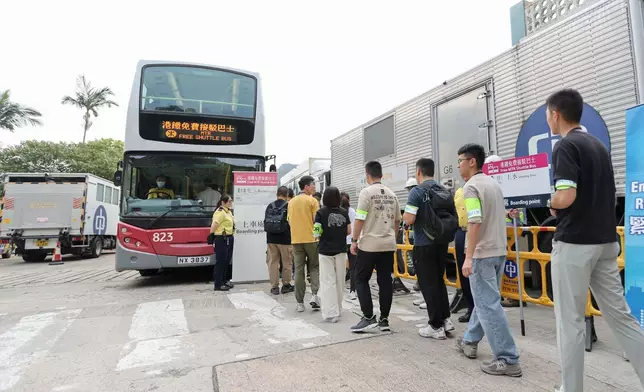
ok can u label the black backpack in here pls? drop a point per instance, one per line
(275, 219)
(440, 220)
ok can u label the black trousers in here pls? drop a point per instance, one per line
(459, 245)
(430, 268)
(352, 269)
(383, 262)
(223, 255)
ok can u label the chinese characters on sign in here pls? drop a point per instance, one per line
(256, 179)
(636, 222)
(182, 130)
(525, 181)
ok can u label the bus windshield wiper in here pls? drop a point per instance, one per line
(174, 208)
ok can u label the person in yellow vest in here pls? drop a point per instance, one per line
(161, 192)
(223, 229)
(459, 247)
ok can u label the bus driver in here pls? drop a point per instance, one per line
(161, 192)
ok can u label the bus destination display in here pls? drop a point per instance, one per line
(191, 131)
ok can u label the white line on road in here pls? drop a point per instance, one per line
(269, 315)
(29, 340)
(156, 330)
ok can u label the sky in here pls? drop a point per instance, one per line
(326, 67)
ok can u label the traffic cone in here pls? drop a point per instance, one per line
(57, 257)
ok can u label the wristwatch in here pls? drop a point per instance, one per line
(354, 240)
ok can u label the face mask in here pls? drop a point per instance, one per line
(160, 184)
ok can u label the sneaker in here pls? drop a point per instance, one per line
(498, 367)
(299, 307)
(331, 319)
(222, 288)
(315, 302)
(468, 349)
(229, 285)
(448, 325)
(423, 305)
(418, 302)
(365, 324)
(275, 291)
(429, 332)
(465, 318)
(384, 324)
(287, 288)
(352, 296)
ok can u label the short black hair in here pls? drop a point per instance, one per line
(568, 103)
(331, 197)
(272, 168)
(317, 195)
(475, 151)
(291, 193)
(374, 169)
(345, 203)
(305, 181)
(223, 200)
(282, 191)
(345, 195)
(426, 166)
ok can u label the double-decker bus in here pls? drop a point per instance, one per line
(188, 128)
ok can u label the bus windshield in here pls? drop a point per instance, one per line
(198, 90)
(179, 184)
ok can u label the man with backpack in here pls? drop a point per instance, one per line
(430, 209)
(278, 238)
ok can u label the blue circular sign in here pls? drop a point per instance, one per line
(535, 137)
(511, 270)
(100, 221)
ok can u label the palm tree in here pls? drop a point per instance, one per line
(90, 100)
(14, 115)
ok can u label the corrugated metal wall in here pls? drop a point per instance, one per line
(591, 52)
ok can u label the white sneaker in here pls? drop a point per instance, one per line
(448, 325)
(419, 301)
(299, 307)
(315, 302)
(423, 305)
(352, 296)
(429, 332)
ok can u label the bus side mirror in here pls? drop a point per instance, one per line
(119, 165)
(118, 177)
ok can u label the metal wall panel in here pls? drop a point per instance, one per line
(591, 51)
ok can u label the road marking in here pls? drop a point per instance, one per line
(156, 332)
(271, 317)
(31, 338)
(412, 318)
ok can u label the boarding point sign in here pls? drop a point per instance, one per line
(253, 191)
(525, 181)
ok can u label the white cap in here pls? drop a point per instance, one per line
(493, 158)
(411, 183)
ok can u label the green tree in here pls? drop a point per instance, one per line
(13, 115)
(97, 157)
(90, 100)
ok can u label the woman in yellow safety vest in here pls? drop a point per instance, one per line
(223, 229)
(459, 247)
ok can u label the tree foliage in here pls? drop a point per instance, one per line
(98, 157)
(14, 115)
(89, 99)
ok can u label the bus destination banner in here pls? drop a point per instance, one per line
(199, 131)
(525, 181)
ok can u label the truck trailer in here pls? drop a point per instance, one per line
(598, 50)
(76, 212)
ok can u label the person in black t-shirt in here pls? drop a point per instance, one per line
(278, 238)
(584, 250)
(332, 226)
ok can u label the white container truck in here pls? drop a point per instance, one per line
(598, 50)
(318, 168)
(40, 210)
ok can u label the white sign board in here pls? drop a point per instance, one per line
(393, 177)
(253, 191)
(525, 181)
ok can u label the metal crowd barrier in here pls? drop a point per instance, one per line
(511, 273)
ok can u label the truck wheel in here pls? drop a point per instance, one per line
(97, 247)
(34, 257)
(148, 272)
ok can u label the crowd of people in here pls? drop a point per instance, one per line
(584, 254)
